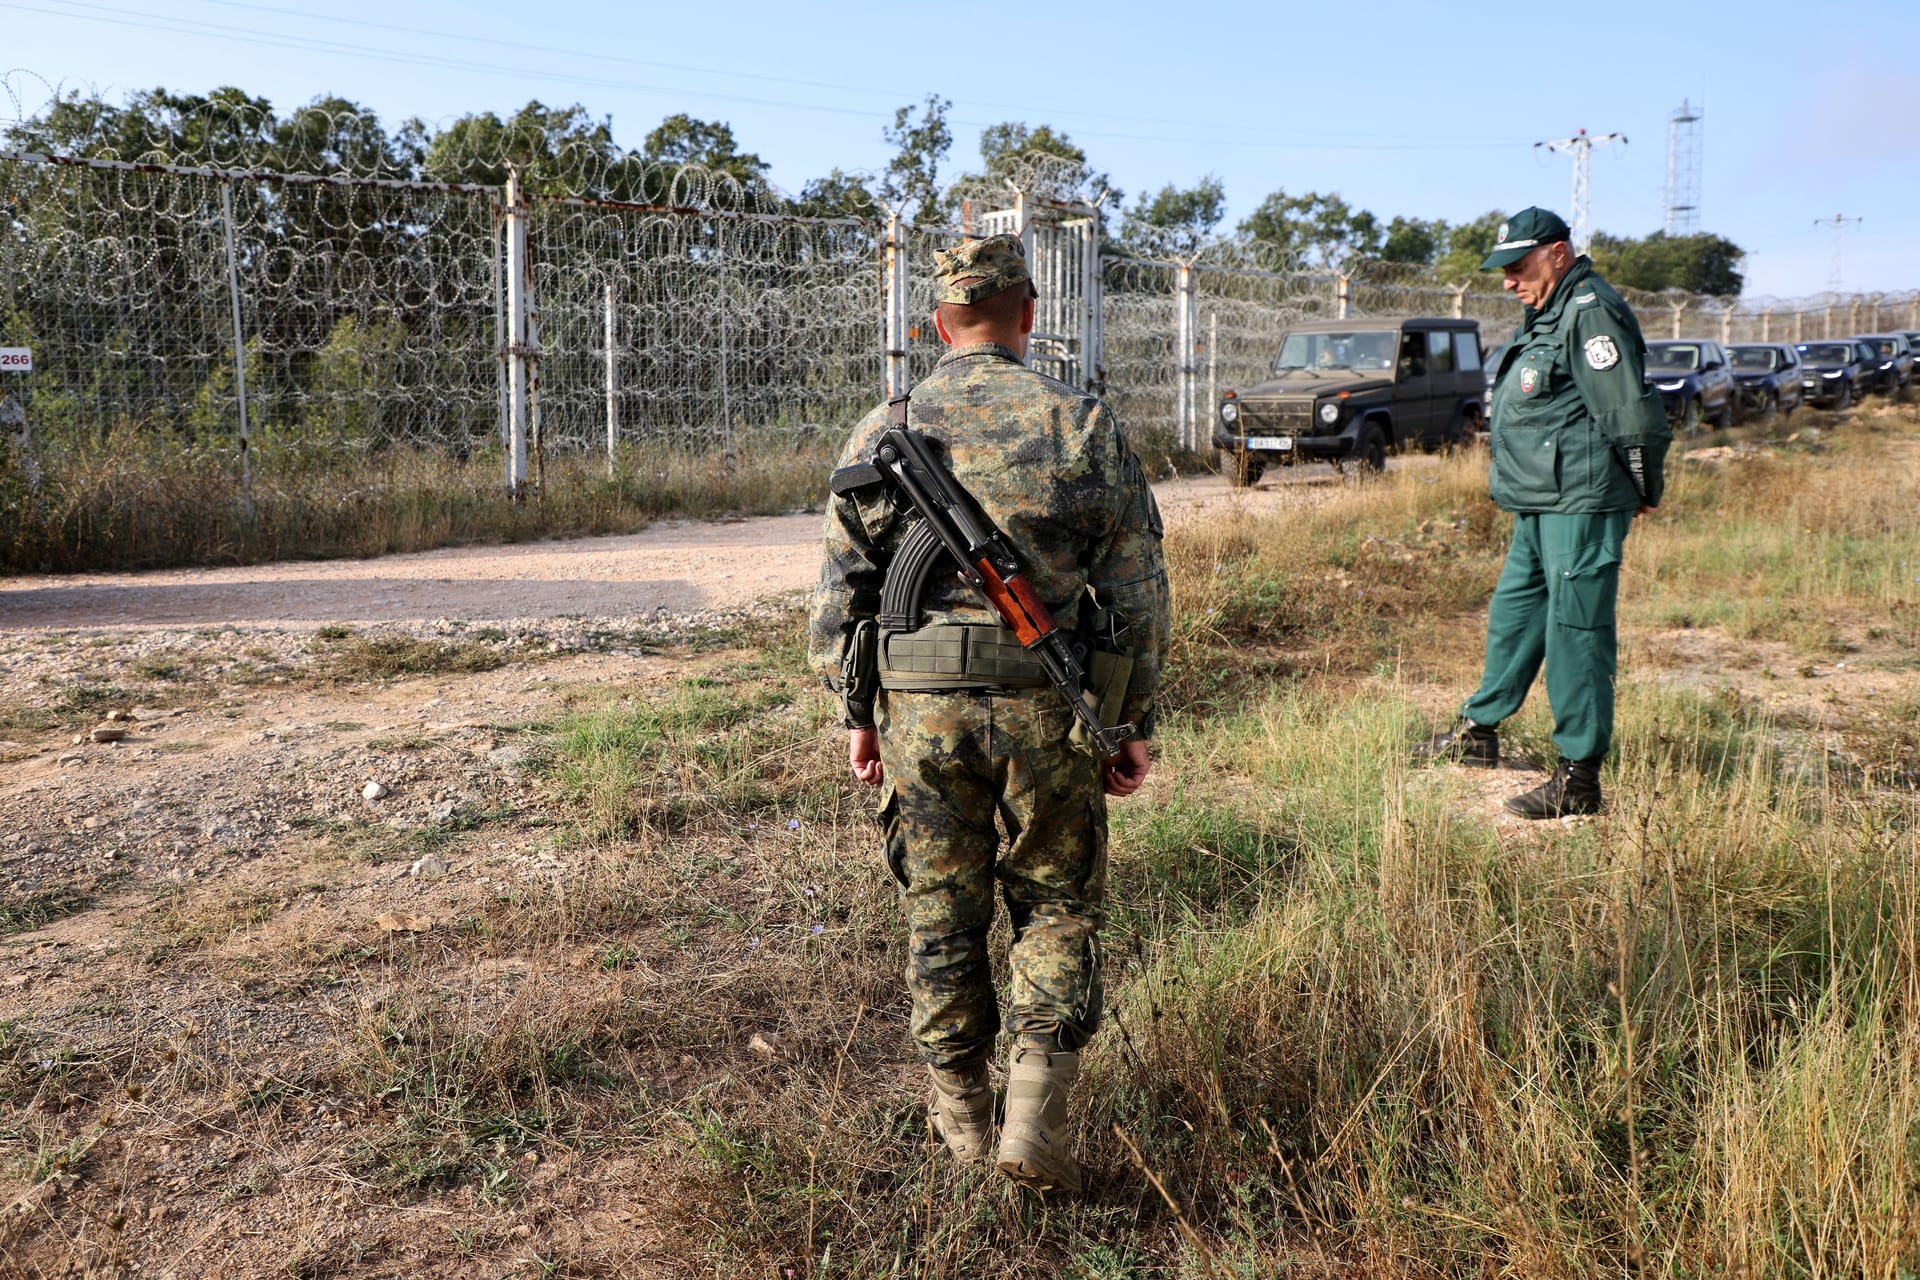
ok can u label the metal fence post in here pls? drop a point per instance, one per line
(1342, 294)
(1726, 324)
(239, 347)
(1185, 324)
(1093, 295)
(517, 336)
(895, 370)
(1459, 302)
(1826, 320)
(613, 389)
(1766, 325)
(1207, 406)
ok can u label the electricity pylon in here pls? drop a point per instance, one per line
(1840, 222)
(1581, 145)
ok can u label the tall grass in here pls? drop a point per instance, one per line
(135, 499)
(1357, 1025)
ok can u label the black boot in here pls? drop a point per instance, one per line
(1466, 743)
(1573, 788)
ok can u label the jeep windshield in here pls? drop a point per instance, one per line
(1673, 358)
(1827, 353)
(1759, 359)
(1335, 351)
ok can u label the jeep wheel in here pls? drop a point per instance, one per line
(1769, 410)
(1690, 417)
(1724, 418)
(1467, 433)
(1845, 399)
(1372, 453)
(1242, 469)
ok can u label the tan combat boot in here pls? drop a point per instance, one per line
(961, 1111)
(1034, 1137)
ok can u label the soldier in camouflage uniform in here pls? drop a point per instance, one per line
(987, 741)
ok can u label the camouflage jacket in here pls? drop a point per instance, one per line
(1046, 463)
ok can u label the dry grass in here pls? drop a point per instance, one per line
(1358, 1027)
(142, 500)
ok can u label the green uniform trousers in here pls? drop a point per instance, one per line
(1555, 603)
(959, 768)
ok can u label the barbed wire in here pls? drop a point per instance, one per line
(671, 303)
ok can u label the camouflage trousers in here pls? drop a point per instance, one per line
(960, 769)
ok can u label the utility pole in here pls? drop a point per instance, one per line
(1581, 145)
(1683, 170)
(1840, 223)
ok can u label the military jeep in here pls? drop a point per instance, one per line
(1354, 391)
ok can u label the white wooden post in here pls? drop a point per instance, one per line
(1342, 294)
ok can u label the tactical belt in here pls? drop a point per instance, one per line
(956, 656)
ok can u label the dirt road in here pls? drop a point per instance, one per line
(674, 567)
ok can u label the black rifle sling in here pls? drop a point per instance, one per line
(906, 579)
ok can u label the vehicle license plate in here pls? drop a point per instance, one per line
(1282, 443)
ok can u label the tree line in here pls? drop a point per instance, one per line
(567, 151)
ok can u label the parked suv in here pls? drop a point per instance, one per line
(1835, 373)
(1895, 365)
(1354, 390)
(1693, 381)
(1766, 377)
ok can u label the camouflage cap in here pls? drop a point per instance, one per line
(998, 261)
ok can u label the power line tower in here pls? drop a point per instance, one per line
(1683, 170)
(1841, 224)
(1581, 145)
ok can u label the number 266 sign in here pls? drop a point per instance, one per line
(16, 359)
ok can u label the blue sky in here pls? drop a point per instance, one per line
(1424, 109)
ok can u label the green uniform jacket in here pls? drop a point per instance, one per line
(1576, 430)
(1048, 464)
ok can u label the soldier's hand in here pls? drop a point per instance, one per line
(863, 755)
(1646, 509)
(1123, 774)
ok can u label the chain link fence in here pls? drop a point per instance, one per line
(346, 313)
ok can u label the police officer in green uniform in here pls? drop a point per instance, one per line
(957, 726)
(1579, 441)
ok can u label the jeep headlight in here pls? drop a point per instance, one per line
(1837, 373)
(1229, 413)
(1671, 386)
(1329, 413)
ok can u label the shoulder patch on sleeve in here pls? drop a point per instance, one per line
(1582, 299)
(1602, 353)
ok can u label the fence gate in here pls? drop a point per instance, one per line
(1062, 242)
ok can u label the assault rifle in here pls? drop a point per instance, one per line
(988, 562)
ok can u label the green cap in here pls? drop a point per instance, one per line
(1524, 232)
(998, 261)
